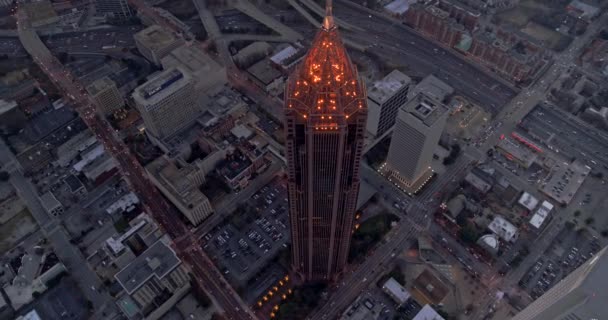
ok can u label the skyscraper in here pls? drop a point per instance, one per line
(417, 131)
(325, 114)
(385, 97)
(580, 295)
(167, 102)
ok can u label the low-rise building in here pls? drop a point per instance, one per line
(528, 201)
(504, 229)
(51, 204)
(181, 187)
(564, 180)
(266, 77)
(396, 291)
(154, 43)
(519, 153)
(428, 313)
(541, 214)
(153, 280)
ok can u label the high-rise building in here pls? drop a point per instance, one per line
(325, 114)
(417, 131)
(167, 102)
(384, 99)
(580, 295)
(114, 10)
(106, 95)
(154, 43)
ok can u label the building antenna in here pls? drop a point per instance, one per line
(328, 21)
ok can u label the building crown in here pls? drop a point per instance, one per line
(326, 85)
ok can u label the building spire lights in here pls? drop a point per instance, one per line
(328, 21)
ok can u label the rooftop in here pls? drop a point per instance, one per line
(564, 181)
(425, 109)
(264, 71)
(396, 291)
(74, 183)
(528, 201)
(176, 181)
(49, 202)
(123, 203)
(160, 86)
(158, 261)
(154, 37)
(433, 87)
(517, 151)
(384, 89)
(100, 85)
(234, 165)
(428, 313)
(541, 214)
(503, 228)
(197, 63)
(430, 287)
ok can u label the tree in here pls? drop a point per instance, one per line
(604, 233)
(577, 213)
(4, 176)
(589, 221)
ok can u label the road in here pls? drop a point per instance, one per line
(205, 274)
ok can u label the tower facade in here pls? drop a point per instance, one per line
(325, 114)
(580, 295)
(418, 128)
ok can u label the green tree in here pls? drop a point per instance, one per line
(4, 176)
(589, 221)
(577, 213)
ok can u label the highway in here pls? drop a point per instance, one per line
(396, 43)
(204, 272)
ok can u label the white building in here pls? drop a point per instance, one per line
(396, 291)
(420, 123)
(541, 214)
(528, 201)
(428, 313)
(384, 98)
(504, 229)
(167, 102)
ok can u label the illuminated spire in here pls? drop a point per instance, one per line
(328, 21)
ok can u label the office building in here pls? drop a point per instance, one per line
(206, 72)
(325, 116)
(114, 10)
(106, 95)
(384, 98)
(154, 43)
(581, 295)
(181, 187)
(167, 102)
(417, 131)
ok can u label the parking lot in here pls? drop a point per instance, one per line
(569, 250)
(242, 252)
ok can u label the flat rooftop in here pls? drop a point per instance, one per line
(564, 181)
(154, 37)
(233, 165)
(425, 109)
(264, 72)
(100, 85)
(384, 89)
(433, 87)
(161, 86)
(158, 261)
